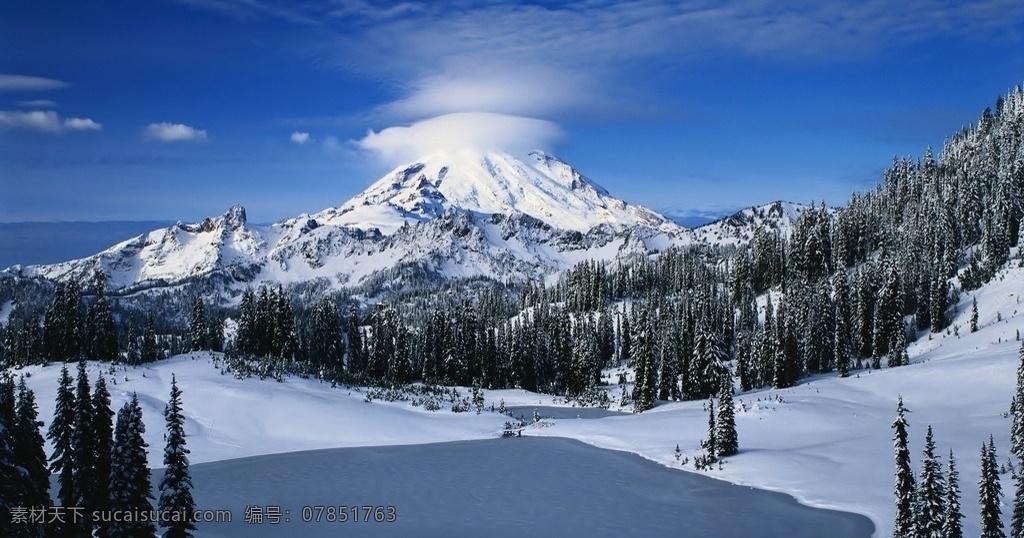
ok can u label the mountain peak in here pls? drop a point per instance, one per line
(235, 217)
(539, 185)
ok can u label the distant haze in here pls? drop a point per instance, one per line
(29, 243)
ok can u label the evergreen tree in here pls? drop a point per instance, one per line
(326, 347)
(888, 314)
(1017, 427)
(148, 353)
(61, 435)
(990, 493)
(645, 384)
(197, 326)
(931, 495)
(62, 326)
(11, 480)
(101, 333)
(130, 487)
(905, 489)
(83, 448)
(841, 339)
(29, 451)
(215, 332)
(1017, 523)
(176, 484)
(939, 301)
(356, 357)
(974, 315)
(952, 518)
(710, 445)
(726, 441)
(103, 444)
(10, 476)
(898, 353)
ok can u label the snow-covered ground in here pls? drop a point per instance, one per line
(827, 441)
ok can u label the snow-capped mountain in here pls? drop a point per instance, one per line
(779, 217)
(540, 186)
(457, 214)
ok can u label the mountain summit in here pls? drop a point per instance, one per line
(494, 182)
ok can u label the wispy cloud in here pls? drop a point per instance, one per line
(586, 50)
(38, 103)
(458, 131)
(247, 9)
(29, 83)
(174, 132)
(46, 121)
(300, 138)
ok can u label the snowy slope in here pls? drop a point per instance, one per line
(826, 441)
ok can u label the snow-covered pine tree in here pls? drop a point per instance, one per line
(83, 446)
(666, 362)
(841, 338)
(904, 489)
(11, 482)
(974, 315)
(1017, 521)
(176, 484)
(645, 382)
(101, 333)
(726, 440)
(9, 479)
(197, 326)
(930, 492)
(1017, 427)
(62, 324)
(103, 444)
(130, 486)
(888, 314)
(30, 453)
(898, 353)
(952, 517)
(939, 301)
(990, 493)
(711, 443)
(61, 433)
(148, 353)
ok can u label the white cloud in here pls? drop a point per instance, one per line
(35, 120)
(81, 124)
(27, 83)
(38, 103)
(458, 131)
(174, 132)
(300, 138)
(505, 89)
(46, 121)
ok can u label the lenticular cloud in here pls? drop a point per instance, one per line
(459, 131)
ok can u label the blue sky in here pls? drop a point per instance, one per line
(176, 109)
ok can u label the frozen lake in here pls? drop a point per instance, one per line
(529, 486)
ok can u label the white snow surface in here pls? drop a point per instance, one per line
(827, 441)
